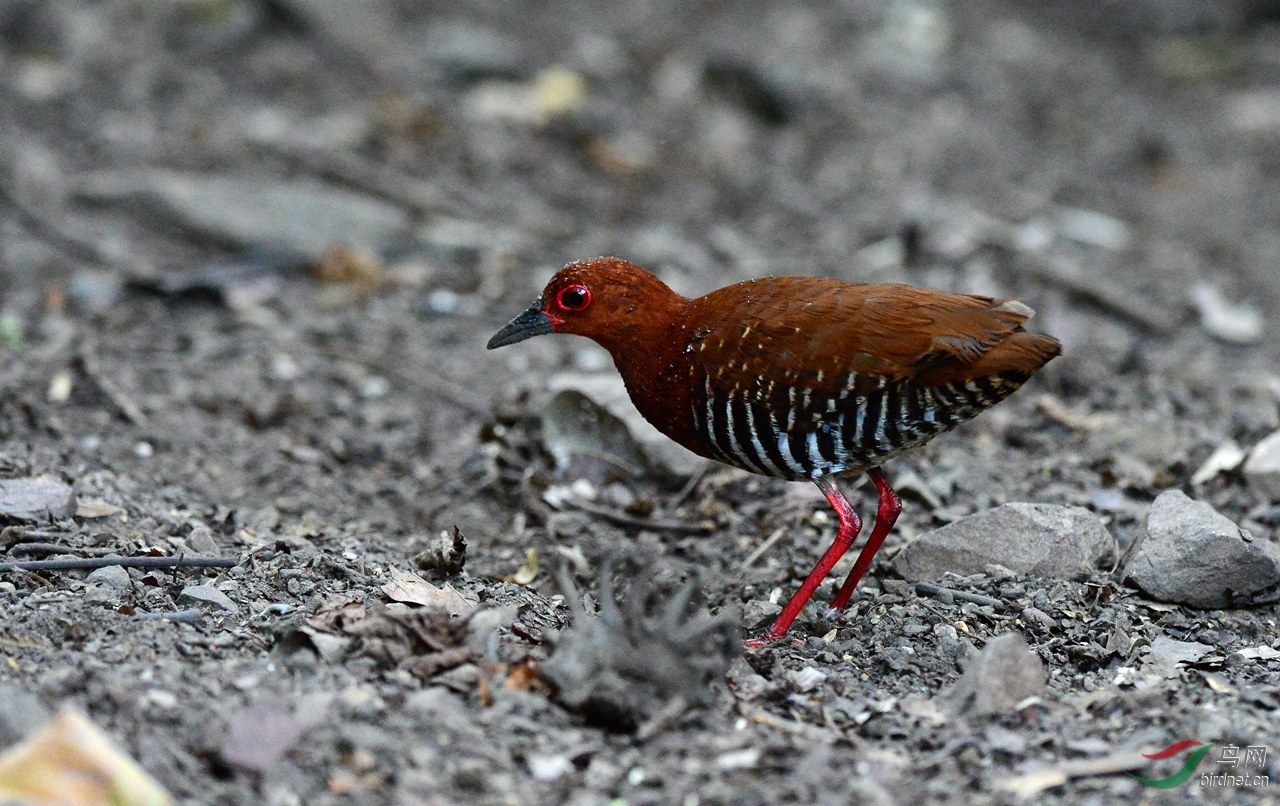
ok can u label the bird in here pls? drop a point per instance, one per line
(797, 378)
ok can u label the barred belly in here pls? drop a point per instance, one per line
(800, 434)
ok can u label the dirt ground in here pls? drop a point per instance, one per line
(251, 255)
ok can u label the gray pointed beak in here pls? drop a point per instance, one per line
(532, 322)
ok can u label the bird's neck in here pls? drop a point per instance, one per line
(652, 365)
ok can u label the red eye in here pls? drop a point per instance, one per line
(574, 298)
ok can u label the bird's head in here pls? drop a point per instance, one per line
(613, 302)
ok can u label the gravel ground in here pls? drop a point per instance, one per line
(251, 253)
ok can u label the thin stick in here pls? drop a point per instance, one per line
(84, 249)
(930, 589)
(75, 563)
(768, 543)
(1122, 304)
(424, 378)
(640, 523)
(690, 486)
(53, 548)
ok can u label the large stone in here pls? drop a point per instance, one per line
(1048, 540)
(1193, 555)
(300, 215)
(40, 499)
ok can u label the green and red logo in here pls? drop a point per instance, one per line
(1180, 777)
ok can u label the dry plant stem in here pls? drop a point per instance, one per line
(622, 519)
(75, 563)
(55, 548)
(930, 589)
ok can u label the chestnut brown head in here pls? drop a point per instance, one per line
(608, 300)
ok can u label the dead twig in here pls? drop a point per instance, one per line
(53, 548)
(930, 589)
(1118, 302)
(1031, 784)
(15, 535)
(769, 542)
(424, 378)
(689, 487)
(76, 563)
(82, 249)
(654, 524)
(350, 169)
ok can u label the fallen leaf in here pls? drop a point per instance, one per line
(522, 677)
(90, 508)
(1218, 684)
(1227, 456)
(1263, 652)
(525, 573)
(1030, 784)
(409, 588)
(71, 762)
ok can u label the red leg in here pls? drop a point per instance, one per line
(846, 533)
(886, 515)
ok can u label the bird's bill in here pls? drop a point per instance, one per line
(532, 322)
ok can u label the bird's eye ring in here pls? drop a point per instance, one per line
(574, 298)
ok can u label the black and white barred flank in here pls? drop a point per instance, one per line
(797, 433)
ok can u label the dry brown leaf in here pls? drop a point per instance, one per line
(71, 762)
(409, 588)
(526, 572)
(90, 508)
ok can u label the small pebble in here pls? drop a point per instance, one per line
(113, 577)
(1262, 468)
(1236, 323)
(206, 596)
(808, 678)
(36, 499)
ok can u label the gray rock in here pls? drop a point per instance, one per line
(292, 215)
(21, 715)
(367, 29)
(106, 584)
(259, 736)
(206, 596)
(1043, 539)
(1262, 468)
(1192, 555)
(436, 704)
(201, 540)
(38, 499)
(1003, 674)
(113, 576)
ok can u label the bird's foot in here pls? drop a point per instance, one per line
(766, 638)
